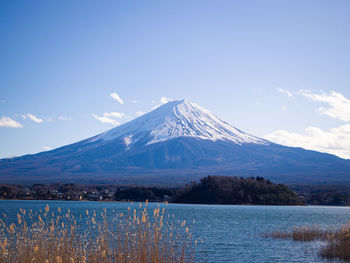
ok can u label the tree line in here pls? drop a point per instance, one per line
(209, 190)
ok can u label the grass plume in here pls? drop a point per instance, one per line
(133, 236)
(337, 240)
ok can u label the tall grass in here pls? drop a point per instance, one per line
(302, 233)
(337, 240)
(134, 236)
(338, 244)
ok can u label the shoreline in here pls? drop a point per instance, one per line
(163, 202)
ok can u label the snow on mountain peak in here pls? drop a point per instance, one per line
(177, 119)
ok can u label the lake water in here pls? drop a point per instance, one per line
(229, 233)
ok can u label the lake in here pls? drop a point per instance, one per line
(229, 233)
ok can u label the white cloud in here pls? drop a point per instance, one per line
(118, 115)
(284, 108)
(24, 116)
(34, 118)
(110, 117)
(47, 148)
(139, 113)
(116, 97)
(105, 119)
(284, 91)
(339, 106)
(135, 101)
(335, 141)
(64, 118)
(164, 100)
(10, 123)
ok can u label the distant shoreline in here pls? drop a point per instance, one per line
(162, 202)
(218, 190)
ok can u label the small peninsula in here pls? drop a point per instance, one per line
(237, 190)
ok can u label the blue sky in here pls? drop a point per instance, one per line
(275, 69)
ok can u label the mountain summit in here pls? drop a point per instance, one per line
(175, 143)
(176, 119)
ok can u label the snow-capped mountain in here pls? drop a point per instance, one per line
(175, 143)
(177, 119)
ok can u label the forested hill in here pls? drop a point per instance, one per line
(234, 190)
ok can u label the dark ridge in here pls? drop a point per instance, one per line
(236, 190)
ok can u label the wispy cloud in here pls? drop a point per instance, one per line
(64, 118)
(139, 113)
(47, 148)
(164, 100)
(110, 117)
(284, 91)
(32, 117)
(116, 97)
(338, 105)
(284, 108)
(335, 141)
(114, 114)
(10, 123)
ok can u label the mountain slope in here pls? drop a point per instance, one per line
(176, 119)
(177, 142)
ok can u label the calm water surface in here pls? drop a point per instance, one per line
(229, 233)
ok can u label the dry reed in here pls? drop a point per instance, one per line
(337, 241)
(338, 244)
(302, 233)
(134, 236)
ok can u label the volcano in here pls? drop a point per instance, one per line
(177, 142)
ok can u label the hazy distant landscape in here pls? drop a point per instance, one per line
(177, 142)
